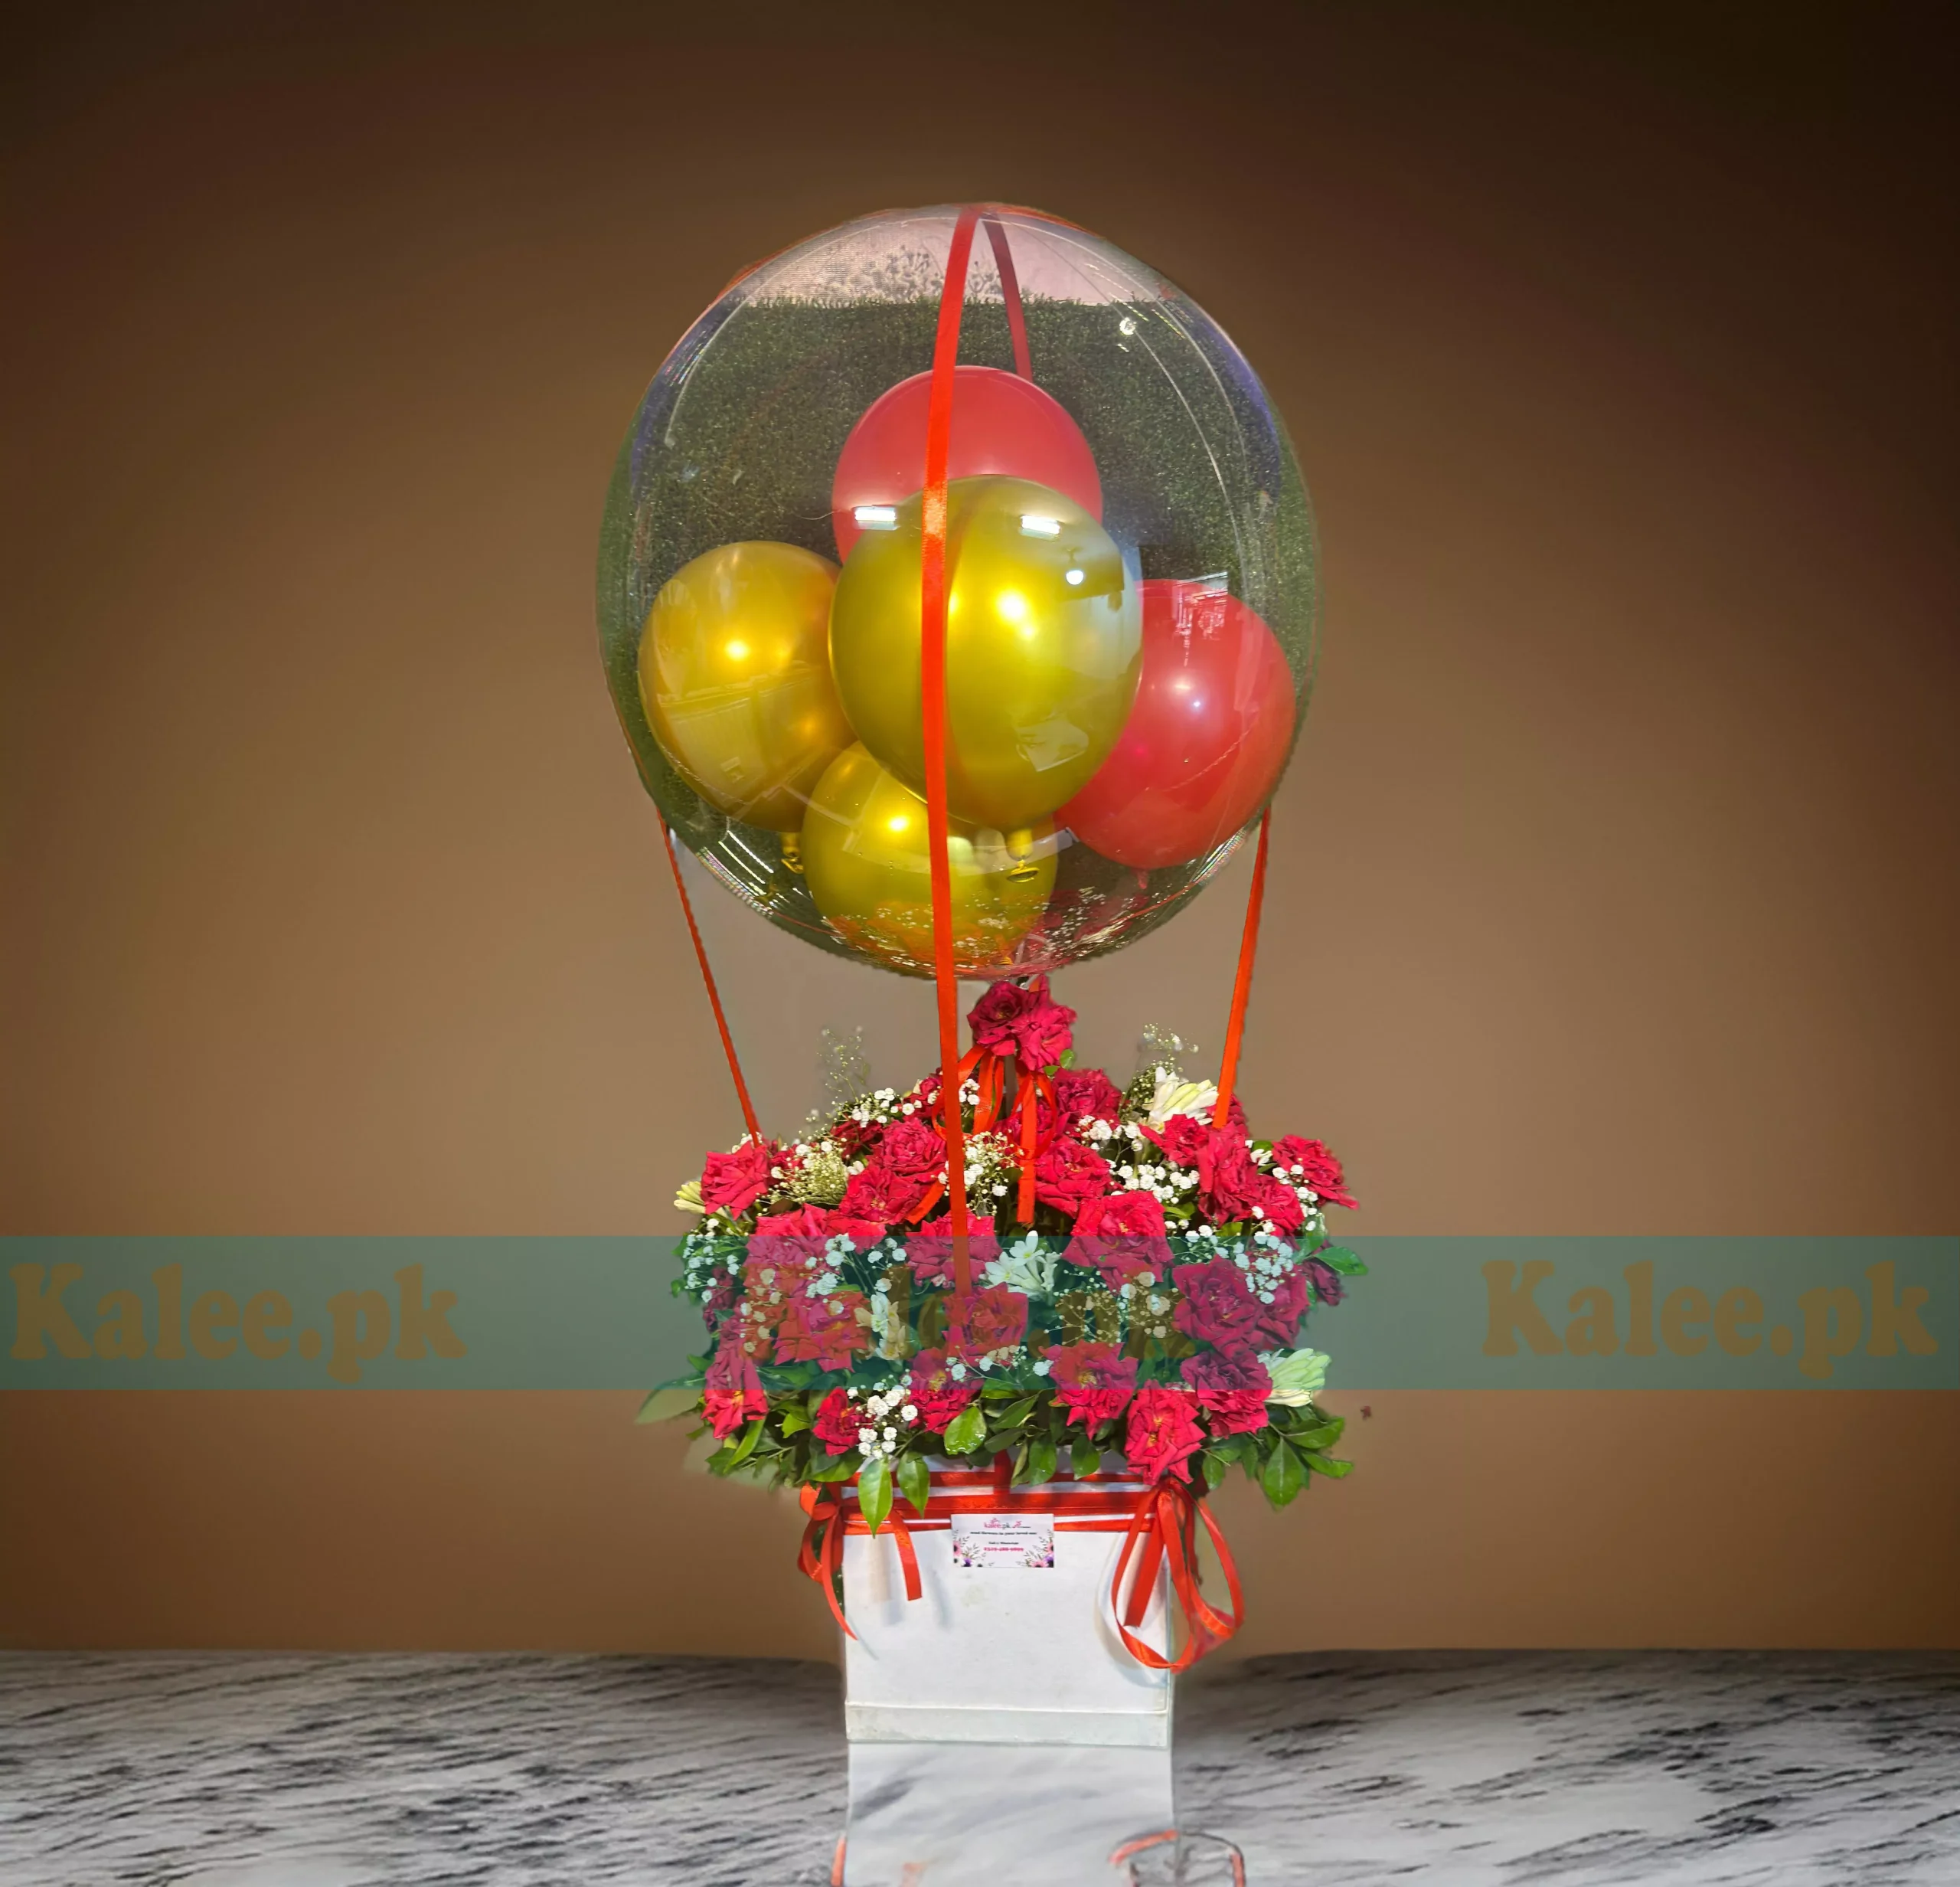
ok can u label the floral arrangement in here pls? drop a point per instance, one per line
(1138, 1273)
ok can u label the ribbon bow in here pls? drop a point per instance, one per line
(988, 1068)
(1159, 1528)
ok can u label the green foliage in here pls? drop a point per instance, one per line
(874, 1491)
(915, 1480)
(964, 1432)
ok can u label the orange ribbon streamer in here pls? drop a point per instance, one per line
(1160, 1529)
(707, 979)
(1242, 983)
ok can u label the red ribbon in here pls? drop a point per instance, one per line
(1160, 1528)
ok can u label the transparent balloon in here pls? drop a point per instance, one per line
(1130, 578)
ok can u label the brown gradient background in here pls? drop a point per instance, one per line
(1614, 890)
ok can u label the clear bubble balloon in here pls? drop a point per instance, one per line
(1107, 753)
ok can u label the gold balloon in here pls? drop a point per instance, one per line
(867, 863)
(735, 678)
(1044, 646)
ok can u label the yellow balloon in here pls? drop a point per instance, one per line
(867, 863)
(1043, 646)
(735, 677)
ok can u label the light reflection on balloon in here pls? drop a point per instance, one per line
(1043, 647)
(1206, 741)
(734, 675)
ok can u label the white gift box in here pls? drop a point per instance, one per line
(1000, 1727)
(1013, 1639)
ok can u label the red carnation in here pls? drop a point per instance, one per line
(733, 1397)
(822, 1330)
(984, 1321)
(837, 1421)
(1093, 1381)
(1229, 1185)
(1215, 1306)
(1318, 1167)
(788, 1237)
(1279, 1205)
(733, 1182)
(1326, 1280)
(1231, 1389)
(1182, 1139)
(1122, 1235)
(1022, 1020)
(1068, 1175)
(1163, 1433)
(936, 1393)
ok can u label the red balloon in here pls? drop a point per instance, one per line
(1206, 741)
(1002, 426)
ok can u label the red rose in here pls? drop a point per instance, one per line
(1279, 1321)
(1216, 1305)
(1182, 1139)
(880, 1196)
(863, 1233)
(1310, 1163)
(1163, 1433)
(1093, 1381)
(1231, 1389)
(912, 1146)
(1080, 1092)
(1022, 1020)
(1068, 1175)
(822, 1330)
(733, 1397)
(984, 1321)
(837, 1424)
(733, 1182)
(936, 1393)
(1122, 1235)
(930, 1252)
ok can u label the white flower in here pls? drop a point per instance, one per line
(1024, 1267)
(1296, 1374)
(1175, 1095)
(688, 1199)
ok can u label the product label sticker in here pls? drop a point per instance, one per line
(1003, 1539)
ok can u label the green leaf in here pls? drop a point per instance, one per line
(966, 1431)
(1283, 1477)
(674, 1398)
(1039, 1464)
(1324, 1436)
(1084, 1456)
(746, 1446)
(915, 1481)
(1015, 1413)
(722, 1461)
(795, 1419)
(874, 1491)
(832, 1467)
(1334, 1471)
(1342, 1261)
(999, 1390)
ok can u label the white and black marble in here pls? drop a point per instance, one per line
(1531, 1771)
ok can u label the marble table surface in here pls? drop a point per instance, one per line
(1541, 1770)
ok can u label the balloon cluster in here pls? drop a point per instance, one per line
(1148, 720)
